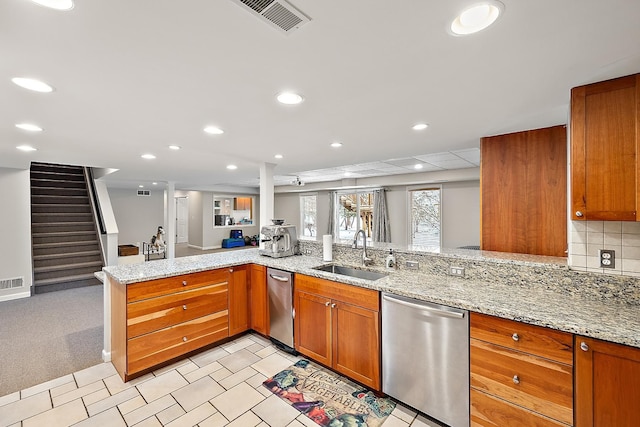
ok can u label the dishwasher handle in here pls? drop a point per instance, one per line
(426, 307)
(279, 278)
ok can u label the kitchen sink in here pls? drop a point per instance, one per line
(351, 272)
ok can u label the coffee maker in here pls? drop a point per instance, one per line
(278, 240)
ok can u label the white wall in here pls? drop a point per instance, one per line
(138, 217)
(195, 219)
(15, 229)
(460, 214)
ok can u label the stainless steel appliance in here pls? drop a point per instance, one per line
(278, 240)
(425, 357)
(281, 312)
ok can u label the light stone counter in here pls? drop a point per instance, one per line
(527, 290)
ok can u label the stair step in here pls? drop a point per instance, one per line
(48, 269)
(63, 223)
(66, 255)
(64, 208)
(58, 200)
(62, 191)
(58, 183)
(57, 280)
(59, 244)
(64, 234)
(60, 217)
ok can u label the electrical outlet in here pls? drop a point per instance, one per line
(307, 251)
(607, 258)
(413, 265)
(456, 271)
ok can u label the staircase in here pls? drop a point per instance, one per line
(65, 245)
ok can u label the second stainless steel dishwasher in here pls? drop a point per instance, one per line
(425, 357)
(280, 292)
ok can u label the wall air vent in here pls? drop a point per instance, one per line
(144, 193)
(277, 13)
(16, 282)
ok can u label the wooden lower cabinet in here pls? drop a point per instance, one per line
(258, 300)
(155, 321)
(338, 325)
(607, 384)
(520, 374)
(239, 290)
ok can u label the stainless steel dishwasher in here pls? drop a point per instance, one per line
(280, 291)
(425, 357)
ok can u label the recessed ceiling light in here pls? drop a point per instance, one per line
(213, 130)
(418, 166)
(29, 127)
(140, 186)
(420, 126)
(148, 156)
(476, 17)
(347, 173)
(25, 148)
(232, 167)
(289, 98)
(32, 84)
(174, 147)
(278, 156)
(56, 4)
(336, 144)
(154, 183)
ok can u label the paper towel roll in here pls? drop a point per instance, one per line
(327, 247)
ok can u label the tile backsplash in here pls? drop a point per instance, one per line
(586, 238)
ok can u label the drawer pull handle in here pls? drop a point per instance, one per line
(515, 336)
(333, 305)
(184, 283)
(516, 379)
(184, 339)
(326, 304)
(584, 346)
(231, 270)
(184, 307)
(579, 214)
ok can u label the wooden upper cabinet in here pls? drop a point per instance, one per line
(605, 120)
(523, 184)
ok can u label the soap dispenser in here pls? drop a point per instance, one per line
(391, 260)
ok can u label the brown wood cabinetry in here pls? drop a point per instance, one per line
(338, 325)
(520, 374)
(157, 320)
(242, 203)
(607, 384)
(258, 301)
(605, 131)
(239, 301)
(523, 192)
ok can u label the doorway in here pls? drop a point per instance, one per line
(182, 220)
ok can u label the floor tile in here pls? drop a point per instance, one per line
(239, 360)
(24, 408)
(60, 416)
(131, 405)
(272, 364)
(170, 414)
(203, 371)
(238, 344)
(220, 374)
(161, 386)
(306, 421)
(77, 393)
(266, 351)
(62, 389)
(95, 397)
(109, 418)
(240, 376)
(275, 412)
(193, 417)
(209, 356)
(256, 380)
(249, 419)
(255, 347)
(115, 384)
(215, 420)
(189, 367)
(149, 422)
(392, 421)
(405, 414)
(149, 410)
(9, 398)
(94, 373)
(263, 424)
(46, 386)
(171, 367)
(197, 393)
(295, 423)
(259, 339)
(237, 401)
(112, 401)
(422, 421)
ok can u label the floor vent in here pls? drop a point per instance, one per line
(144, 193)
(277, 13)
(11, 283)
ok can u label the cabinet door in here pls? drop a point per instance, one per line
(239, 301)
(356, 343)
(259, 302)
(604, 121)
(312, 326)
(606, 390)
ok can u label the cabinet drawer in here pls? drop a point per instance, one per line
(535, 383)
(362, 297)
(488, 411)
(148, 315)
(543, 342)
(159, 346)
(154, 288)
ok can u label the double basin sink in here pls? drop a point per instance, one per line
(351, 272)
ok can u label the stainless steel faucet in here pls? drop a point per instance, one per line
(365, 259)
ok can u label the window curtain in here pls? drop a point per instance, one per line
(381, 231)
(332, 213)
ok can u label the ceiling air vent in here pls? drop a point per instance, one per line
(144, 193)
(277, 13)
(16, 282)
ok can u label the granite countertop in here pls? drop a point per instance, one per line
(530, 301)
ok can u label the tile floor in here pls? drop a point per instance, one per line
(215, 388)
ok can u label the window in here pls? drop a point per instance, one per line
(425, 216)
(308, 217)
(355, 212)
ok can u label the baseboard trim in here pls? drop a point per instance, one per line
(205, 248)
(106, 356)
(10, 297)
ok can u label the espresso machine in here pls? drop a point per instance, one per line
(278, 240)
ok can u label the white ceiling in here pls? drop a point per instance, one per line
(133, 77)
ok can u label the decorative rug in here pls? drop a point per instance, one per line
(328, 399)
